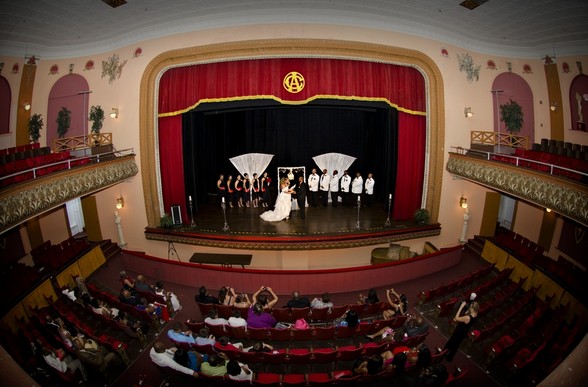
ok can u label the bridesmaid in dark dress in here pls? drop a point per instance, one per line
(464, 324)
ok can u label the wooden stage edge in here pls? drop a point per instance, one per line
(299, 241)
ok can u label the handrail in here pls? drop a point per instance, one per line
(117, 153)
(82, 142)
(488, 156)
(479, 137)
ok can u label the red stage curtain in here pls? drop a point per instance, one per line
(410, 167)
(183, 88)
(172, 164)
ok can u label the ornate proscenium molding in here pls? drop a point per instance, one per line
(561, 195)
(36, 196)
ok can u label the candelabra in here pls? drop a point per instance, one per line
(388, 224)
(192, 222)
(224, 207)
(357, 225)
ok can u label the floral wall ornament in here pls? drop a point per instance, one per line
(54, 70)
(15, 68)
(89, 65)
(527, 69)
(138, 52)
(490, 65)
(466, 64)
(444, 53)
(113, 67)
(565, 67)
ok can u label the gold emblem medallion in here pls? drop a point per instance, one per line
(294, 82)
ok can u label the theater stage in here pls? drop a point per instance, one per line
(323, 228)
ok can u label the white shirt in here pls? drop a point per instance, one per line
(216, 321)
(369, 186)
(334, 184)
(242, 375)
(325, 180)
(357, 185)
(345, 181)
(166, 359)
(313, 182)
(237, 322)
(54, 362)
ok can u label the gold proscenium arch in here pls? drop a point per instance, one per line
(280, 48)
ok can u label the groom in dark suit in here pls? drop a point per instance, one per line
(301, 189)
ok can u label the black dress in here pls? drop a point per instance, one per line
(459, 334)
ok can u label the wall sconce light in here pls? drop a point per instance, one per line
(463, 202)
(27, 106)
(468, 112)
(114, 113)
(553, 106)
(548, 209)
(120, 203)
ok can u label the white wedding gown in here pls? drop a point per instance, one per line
(282, 208)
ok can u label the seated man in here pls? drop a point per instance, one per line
(89, 352)
(416, 326)
(215, 366)
(213, 318)
(63, 363)
(129, 298)
(223, 344)
(152, 309)
(236, 320)
(165, 358)
(298, 301)
(204, 337)
(204, 297)
(142, 285)
(177, 335)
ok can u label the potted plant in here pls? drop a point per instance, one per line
(166, 221)
(511, 113)
(63, 122)
(421, 216)
(35, 126)
(97, 118)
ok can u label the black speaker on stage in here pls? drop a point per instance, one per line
(176, 214)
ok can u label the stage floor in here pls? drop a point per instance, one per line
(324, 227)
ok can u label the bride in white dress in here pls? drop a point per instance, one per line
(283, 203)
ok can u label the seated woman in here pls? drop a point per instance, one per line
(258, 318)
(370, 299)
(368, 366)
(242, 301)
(100, 307)
(323, 302)
(159, 290)
(349, 319)
(226, 296)
(260, 297)
(399, 306)
(189, 359)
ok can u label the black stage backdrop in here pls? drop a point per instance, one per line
(214, 133)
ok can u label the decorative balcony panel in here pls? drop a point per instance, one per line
(561, 195)
(25, 200)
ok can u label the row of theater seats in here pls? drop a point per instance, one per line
(36, 166)
(444, 290)
(290, 315)
(19, 149)
(53, 257)
(568, 275)
(562, 148)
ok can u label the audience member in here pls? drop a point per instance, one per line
(129, 321)
(223, 344)
(260, 297)
(416, 326)
(238, 371)
(371, 298)
(165, 358)
(190, 359)
(178, 336)
(142, 286)
(298, 301)
(323, 302)
(215, 366)
(100, 307)
(242, 301)
(151, 309)
(127, 282)
(70, 293)
(213, 319)
(64, 333)
(129, 298)
(175, 302)
(399, 305)
(258, 318)
(96, 355)
(349, 319)
(226, 296)
(236, 320)
(368, 365)
(63, 363)
(204, 297)
(260, 347)
(204, 337)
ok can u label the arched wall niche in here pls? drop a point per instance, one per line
(70, 91)
(579, 102)
(507, 86)
(287, 48)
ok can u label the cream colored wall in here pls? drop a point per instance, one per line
(54, 225)
(528, 220)
(459, 93)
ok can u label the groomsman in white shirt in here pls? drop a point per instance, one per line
(324, 187)
(334, 188)
(345, 183)
(313, 188)
(369, 190)
(357, 188)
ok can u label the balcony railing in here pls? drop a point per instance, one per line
(82, 142)
(499, 139)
